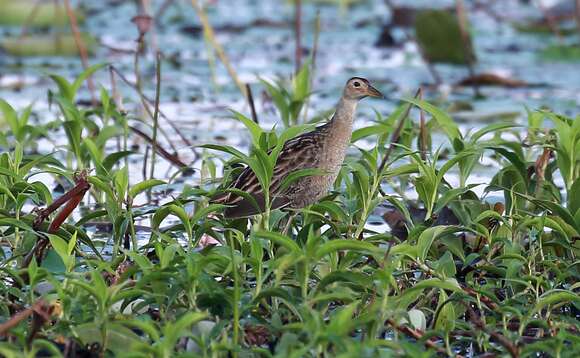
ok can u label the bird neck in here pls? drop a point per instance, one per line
(343, 117)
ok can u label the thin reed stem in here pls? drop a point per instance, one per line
(298, 35)
(210, 36)
(156, 115)
(81, 47)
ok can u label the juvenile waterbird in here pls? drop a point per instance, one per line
(324, 148)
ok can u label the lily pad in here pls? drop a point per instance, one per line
(563, 53)
(46, 45)
(45, 14)
(439, 35)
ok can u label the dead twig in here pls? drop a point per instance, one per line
(150, 102)
(70, 200)
(251, 103)
(418, 335)
(174, 159)
(73, 195)
(484, 299)
(40, 308)
(498, 337)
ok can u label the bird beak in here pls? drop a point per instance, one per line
(373, 92)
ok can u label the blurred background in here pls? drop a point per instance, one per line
(484, 61)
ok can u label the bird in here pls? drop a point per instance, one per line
(324, 148)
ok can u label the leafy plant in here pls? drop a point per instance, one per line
(290, 101)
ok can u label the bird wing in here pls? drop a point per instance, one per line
(298, 153)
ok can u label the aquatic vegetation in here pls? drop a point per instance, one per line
(452, 228)
(464, 273)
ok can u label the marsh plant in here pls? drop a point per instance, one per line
(458, 274)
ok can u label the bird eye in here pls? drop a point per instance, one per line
(356, 84)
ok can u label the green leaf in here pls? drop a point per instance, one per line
(227, 149)
(120, 340)
(72, 243)
(412, 294)
(279, 100)
(83, 76)
(7, 192)
(182, 215)
(111, 159)
(144, 185)
(302, 82)
(450, 195)
(296, 175)
(64, 87)
(573, 195)
(490, 128)
(361, 133)
(255, 130)
(174, 330)
(428, 236)
(121, 180)
(442, 118)
(280, 239)
(344, 244)
(10, 116)
(5, 221)
(96, 155)
(90, 216)
(61, 248)
(446, 319)
(554, 297)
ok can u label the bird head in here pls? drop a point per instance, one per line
(358, 88)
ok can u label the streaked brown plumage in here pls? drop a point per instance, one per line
(323, 148)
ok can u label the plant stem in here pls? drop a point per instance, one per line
(81, 47)
(466, 42)
(236, 318)
(156, 116)
(148, 102)
(312, 64)
(210, 36)
(297, 34)
(578, 15)
(422, 130)
(252, 104)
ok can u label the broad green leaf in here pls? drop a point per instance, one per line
(554, 297)
(280, 239)
(428, 236)
(442, 118)
(574, 198)
(345, 244)
(64, 87)
(144, 185)
(10, 116)
(74, 87)
(255, 130)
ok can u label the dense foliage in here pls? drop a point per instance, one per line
(458, 273)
